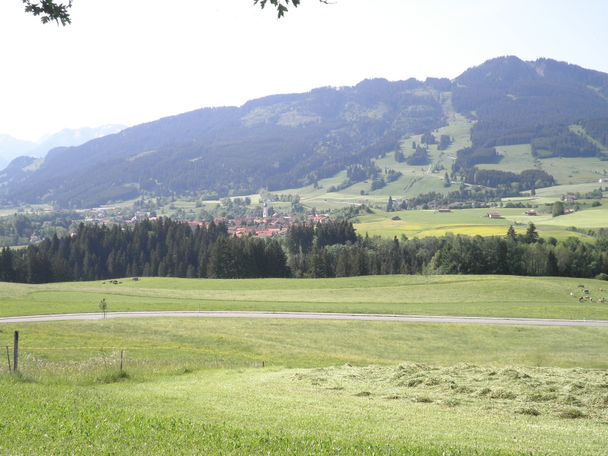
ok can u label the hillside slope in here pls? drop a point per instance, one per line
(272, 142)
(295, 140)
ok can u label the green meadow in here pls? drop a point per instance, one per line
(497, 296)
(474, 222)
(566, 171)
(237, 386)
(196, 386)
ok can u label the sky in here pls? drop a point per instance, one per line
(133, 61)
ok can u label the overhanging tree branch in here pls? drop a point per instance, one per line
(281, 5)
(49, 10)
(52, 10)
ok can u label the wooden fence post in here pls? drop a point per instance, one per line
(16, 351)
(8, 359)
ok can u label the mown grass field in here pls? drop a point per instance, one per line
(233, 386)
(198, 387)
(334, 411)
(498, 296)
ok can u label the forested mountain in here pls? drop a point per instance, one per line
(273, 142)
(286, 141)
(517, 102)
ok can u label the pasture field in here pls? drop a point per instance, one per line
(235, 386)
(566, 171)
(58, 352)
(472, 222)
(198, 387)
(492, 296)
(515, 159)
(572, 171)
(559, 190)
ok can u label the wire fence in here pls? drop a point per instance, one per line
(94, 358)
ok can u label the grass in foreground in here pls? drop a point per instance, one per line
(505, 296)
(189, 387)
(407, 409)
(86, 351)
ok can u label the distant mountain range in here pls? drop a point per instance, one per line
(11, 148)
(286, 141)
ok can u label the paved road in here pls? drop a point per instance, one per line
(313, 316)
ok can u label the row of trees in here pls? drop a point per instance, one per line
(468, 157)
(159, 248)
(526, 180)
(301, 237)
(524, 254)
(329, 249)
(564, 143)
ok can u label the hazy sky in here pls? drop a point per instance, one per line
(131, 61)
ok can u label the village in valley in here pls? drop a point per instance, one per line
(267, 224)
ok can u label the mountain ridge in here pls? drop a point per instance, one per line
(289, 140)
(11, 148)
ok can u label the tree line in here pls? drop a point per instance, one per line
(513, 254)
(167, 248)
(163, 248)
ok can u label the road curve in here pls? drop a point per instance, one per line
(310, 316)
